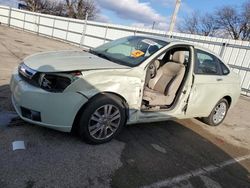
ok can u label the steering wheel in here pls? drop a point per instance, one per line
(152, 70)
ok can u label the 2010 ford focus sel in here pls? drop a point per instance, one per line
(126, 81)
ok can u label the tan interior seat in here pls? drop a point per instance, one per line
(156, 64)
(163, 87)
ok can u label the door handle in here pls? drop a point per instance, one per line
(219, 79)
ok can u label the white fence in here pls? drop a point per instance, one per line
(91, 34)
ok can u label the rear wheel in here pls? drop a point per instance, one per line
(102, 119)
(218, 114)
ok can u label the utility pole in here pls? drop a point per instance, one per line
(153, 26)
(173, 19)
(84, 31)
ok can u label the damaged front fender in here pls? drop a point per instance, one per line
(125, 83)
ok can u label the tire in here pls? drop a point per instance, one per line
(103, 119)
(221, 109)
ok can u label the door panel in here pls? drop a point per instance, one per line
(208, 84)
(205, 93)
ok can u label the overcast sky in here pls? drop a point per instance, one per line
(143, 13)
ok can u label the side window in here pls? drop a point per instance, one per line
(224, 68)
(206, 63)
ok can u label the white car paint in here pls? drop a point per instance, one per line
(57, 61)
(58, 110)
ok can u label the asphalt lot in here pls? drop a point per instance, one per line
(183, 153)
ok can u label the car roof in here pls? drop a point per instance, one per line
(177, 41)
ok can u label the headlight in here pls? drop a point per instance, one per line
(56, 82)
(29, 75)
(25, 71)
(52, 82)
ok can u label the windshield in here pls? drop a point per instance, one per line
(130, 51)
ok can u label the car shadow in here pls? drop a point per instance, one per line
(168, 150)
(5, 98)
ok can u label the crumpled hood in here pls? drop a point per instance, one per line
(63, 61)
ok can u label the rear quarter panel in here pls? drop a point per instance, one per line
(232, 87)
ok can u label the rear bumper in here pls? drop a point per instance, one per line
(52, 110)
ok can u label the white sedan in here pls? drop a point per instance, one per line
(131, 80)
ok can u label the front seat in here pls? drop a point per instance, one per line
(163, 87)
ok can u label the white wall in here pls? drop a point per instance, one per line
(235, 52)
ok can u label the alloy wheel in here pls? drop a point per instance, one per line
(104, 122)
(219, 112)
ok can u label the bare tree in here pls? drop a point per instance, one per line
(35, 5)
(190, 24)
(58, 9)
(208, 26)
(229, 20)
(54, 8)
(246, 21)
(70, 8)
(197, 24)
(79, 8)
(45, 6)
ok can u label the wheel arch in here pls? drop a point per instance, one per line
(229, 99)
(112, 94)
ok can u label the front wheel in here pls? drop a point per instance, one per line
(102, 119)
(218, 113)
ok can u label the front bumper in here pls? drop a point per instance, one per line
(56, 110)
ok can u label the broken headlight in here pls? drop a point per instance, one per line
(56, 82)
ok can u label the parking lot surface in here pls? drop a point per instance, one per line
(182, 153)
